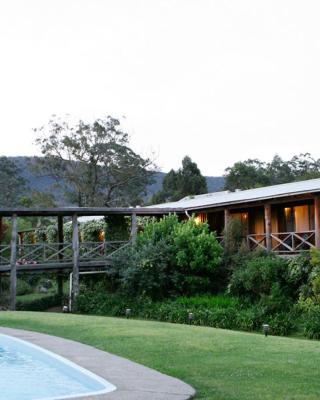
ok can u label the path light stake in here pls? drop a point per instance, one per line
(190, 317)
(266, 329)
(128, 312)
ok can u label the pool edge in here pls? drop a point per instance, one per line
(132, 381)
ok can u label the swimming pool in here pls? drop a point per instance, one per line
(29, 372)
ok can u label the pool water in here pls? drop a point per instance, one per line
(28, 372)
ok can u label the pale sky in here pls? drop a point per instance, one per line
(218, 80)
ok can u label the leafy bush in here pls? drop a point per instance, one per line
(146, 270)
(312, 324)
(39, 304)
(218, 312)
(23, 287)
(51, 233)
(118, 227)
(67, 232)
(206, 301)
(39, 235)
(92, 229)
(282, 324)
(169, 258)
(258, 275)
(233, 236)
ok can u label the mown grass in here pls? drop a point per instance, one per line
(219, 364)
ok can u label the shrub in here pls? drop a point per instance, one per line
(312, 324)
(23, 287)
(207, 301)
(169, 258)
(299, 269)
(39, 235)
(91, 230)
(282, 324)
(257, 276)
(218, 312)
(233, 237)
(51, 233)
(39, 304)
(145, 270)
(118, 227)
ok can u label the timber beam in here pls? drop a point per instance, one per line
(267, 220)
(317, 221)
(13, 264)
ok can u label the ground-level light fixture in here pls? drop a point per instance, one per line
(128, 312)
(190, 317)
(265, 328)
(65, 309)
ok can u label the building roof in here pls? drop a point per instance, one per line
(87, 211)
(218, 199)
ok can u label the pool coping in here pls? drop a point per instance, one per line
(133, 381)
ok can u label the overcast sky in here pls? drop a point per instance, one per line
(218, 80)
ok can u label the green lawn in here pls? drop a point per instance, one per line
(219, 364)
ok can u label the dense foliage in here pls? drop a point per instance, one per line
(169, 257)
(253, 173)
(171, 262)
(218, 312)
(42, 303)
(187, 181)
(11, 182)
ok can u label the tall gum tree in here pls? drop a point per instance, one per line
(93, 162)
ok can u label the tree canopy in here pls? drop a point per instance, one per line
(187, 181)
(253, 173)
(93, 162)
(11, 182)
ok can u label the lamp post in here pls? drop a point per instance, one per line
(190, 317)
(128, 312)
(265, 328)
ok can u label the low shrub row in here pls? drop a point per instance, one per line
(39, 304)
(221, 312)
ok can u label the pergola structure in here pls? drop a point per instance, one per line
(62, 257)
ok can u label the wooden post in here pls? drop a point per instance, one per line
(60, 248)
(1, 227)
(133, 227)
(267, 221)
(75, 249)
(317, 221)
(60, 236)
(226, 218)
(13, 264)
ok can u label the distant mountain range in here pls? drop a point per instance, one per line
(45, 183)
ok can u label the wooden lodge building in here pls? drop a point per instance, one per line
(282, 218)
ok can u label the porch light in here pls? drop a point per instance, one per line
(190, 317)
(287, 210)
(128, 312)
(101, 236)
(265, 328)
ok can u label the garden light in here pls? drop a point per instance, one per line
(128, 312)
(265, 328)
(190, 317)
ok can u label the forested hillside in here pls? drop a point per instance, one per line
(46, 183)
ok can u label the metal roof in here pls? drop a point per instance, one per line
(88, 211)
(225, 198)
